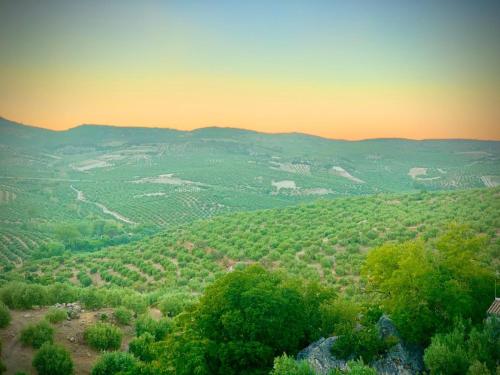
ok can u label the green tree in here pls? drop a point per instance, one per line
(53, 360)
(425, 287)
(37, 334)
(123, 315)
(285, 365)
(143, 347)
(103, 336)
(115, 363)
(243, 321)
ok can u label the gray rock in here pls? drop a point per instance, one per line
(401, 358)
(319, 356)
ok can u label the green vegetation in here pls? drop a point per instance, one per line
(243, 321)
(103, 336)
(93, 186)
(222, 231)
(157, 328)
(4, 315)
(285, 365)
(143, 347)
(426, 287)
(53, 360)
(325, 241)
(462, 350)
(123, 315)
(37, 334)
(363, 343)
(56, 315)
(115, 363)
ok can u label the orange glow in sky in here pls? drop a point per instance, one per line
(323, 68)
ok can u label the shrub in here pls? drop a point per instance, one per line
(359, 368)
(158, 329)
(285, 365)
(17, 295)
(123, 315)
(173, 304)
(478, 368)
(4, 315)
(114, 363)
(103, 336)
(362, 343)
(53, 360)
(55, 315)
(37, 334)
(142, 347)
(457, 351)
(244, 320)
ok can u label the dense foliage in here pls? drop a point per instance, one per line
(123, 315)
(103, 336)
(115, 363)
(37, 334)
(243, 321)
(53, 360)
(285, 365)
(426, 287)
(56, 315)
(464, 350)
(4, 315)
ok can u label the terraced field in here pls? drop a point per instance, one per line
(326, 241)
(142, 181)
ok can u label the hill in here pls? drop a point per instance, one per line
(94, 186)
(326, 241)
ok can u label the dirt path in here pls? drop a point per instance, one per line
(81, 197)
(67, 333)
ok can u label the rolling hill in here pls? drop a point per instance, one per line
(138, 181)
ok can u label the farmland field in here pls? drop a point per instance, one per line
(141, 181)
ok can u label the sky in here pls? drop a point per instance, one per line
(347, 69)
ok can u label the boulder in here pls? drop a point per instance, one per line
(400, 359)
(319, 356)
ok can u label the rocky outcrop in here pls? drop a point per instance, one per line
(73, 309)
(400, 359)
(319, 356)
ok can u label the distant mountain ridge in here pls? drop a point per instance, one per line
(16, 129)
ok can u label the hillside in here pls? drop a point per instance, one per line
(94, 186)
(326, 240)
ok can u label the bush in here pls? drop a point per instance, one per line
(37, 334)
(362, 343)
(17, 295)
(457, 352)
(123, 315)
(114, 363)
(173, 304)
(359, 368)
(447, 279)
(285, 365)
(158, 329)
(142, 347)
(55, 315)
(53, 360)
(103, 336)
(244, 320)
(4, 315)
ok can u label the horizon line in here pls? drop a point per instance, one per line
(248, 130)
